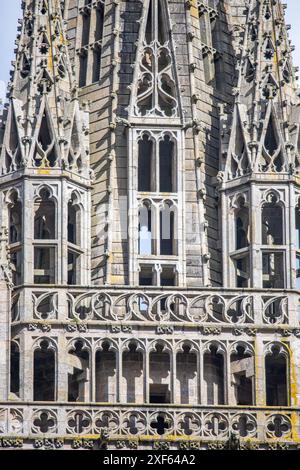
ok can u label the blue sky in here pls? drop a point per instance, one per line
(11, 11)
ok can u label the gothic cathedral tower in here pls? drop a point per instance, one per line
(150, 227)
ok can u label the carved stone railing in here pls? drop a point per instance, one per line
(40, 419)
(156, 305)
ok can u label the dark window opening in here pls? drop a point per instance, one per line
(15, 222)
(15, 368)
(82, 69)
(167, 242)
(146, 276)
(242, 272)
(272, 225)
(146, 173)
(242, 369)
(44, 217)
(86, 20)
(159, 394)
(44, 265)
(273, 271)
(16, 266)
(44, 373)
(78, 363)
(73, 260)
(276, 379)
(166, 166)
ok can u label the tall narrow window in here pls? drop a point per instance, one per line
(214, 376)
(132, 371)
(272, 224)
(44, 217)
(186, 376)
(106, 375)
(15, 237)
(74, 240)
(44, 265)
(166, 166)
(99, 22)
(15, 368)
(15, 220)
(145, 230)
(86, 20)
(273, 270)
(167, 240)
(82, 68)
(242, 376)
(276, 369)
(146, 165)
(242, 228)
(160, 376)
(78, 373)
(44, 373)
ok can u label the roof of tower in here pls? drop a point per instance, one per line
(44, 126)
(262, 125)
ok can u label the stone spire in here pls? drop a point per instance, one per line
(259, 136)
(44, 126)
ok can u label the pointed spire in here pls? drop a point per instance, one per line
(266, 91)
(155, 88)
(43, 95)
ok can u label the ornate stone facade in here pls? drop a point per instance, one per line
(150, 228)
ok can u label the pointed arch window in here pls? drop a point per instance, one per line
(44, 216)
(240, 255)
(146, 238)
(74, 239)
(276, 376)
(167, 180)
(15, 236)
(273, 250)
(44, 372)
(167, 230)
(146, 164)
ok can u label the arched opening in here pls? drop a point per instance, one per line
(73, 223)
(78, 373)
(132, 380)
(213, 370)
(242, 227)
(276, 370)
(167, 173)
(159, 375)
(146, 240)
(242, 375)
(106, 375)
(15, 368)
(272, 224)
(44, 217)
(146, 164)
(86, 21)
(44, 373)
(187, 376)
(15, 220)
(168, 246)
